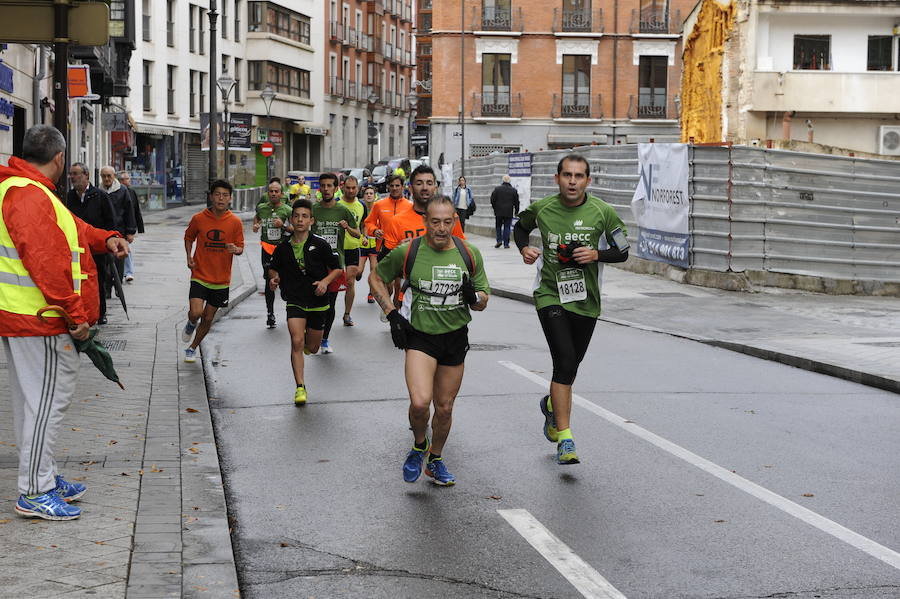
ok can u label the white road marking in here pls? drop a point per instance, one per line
(854, 539)
(578, 572)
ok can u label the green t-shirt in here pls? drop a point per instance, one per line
(266, 213)
(436, 271)
(298, 253)
(327, 225)
(358, 209)
(575, 288)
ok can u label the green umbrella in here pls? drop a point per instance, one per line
(90, 346)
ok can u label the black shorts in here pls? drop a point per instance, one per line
(449, 349)
(384, 251)
(214, 297)
(315, 319)
(366, 252)
(351, 257)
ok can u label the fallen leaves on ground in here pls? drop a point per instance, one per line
(285, 544)
(194, 450)
(808, 495)
(191, 410)
(495, 497)
(5, 521)
(720, 521)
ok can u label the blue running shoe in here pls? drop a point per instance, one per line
(549, 420)
(412, 467)
(565, 452)
(69, 491)
(437, 470)
(49, 506)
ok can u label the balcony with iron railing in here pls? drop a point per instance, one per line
(362, 41)
(350, 89)
(352, 37)
(655, 20)
(337, 31)
(407, 14)
(372, 92)
(577, 21)
(389, 51)
(493, 104)
(336, 86)
(652, 106)
(577, 105)
(496, 18)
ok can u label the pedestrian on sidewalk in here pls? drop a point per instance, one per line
(272, 221)
(303, 266)
(47, 260)
(463, 202)
(432, 324)
(505, 202)
(93, 206)
(124, 211)
(220, 236)
(125, 180)
(579, 232)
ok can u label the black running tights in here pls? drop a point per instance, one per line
(329, 315)
(568, 336)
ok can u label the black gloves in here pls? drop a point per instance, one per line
(399, 328)
(469, 295)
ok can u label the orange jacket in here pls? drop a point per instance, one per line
(382, 212)
(30, 218)
(409, 225)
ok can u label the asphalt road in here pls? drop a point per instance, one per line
(712, 475)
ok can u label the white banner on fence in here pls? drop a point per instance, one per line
(519, 169)
(661, 204)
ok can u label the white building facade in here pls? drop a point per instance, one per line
(826, 71)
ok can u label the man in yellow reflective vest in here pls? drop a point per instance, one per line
(45, 258)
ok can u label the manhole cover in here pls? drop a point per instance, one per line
(880, 343)
(489, 347)
(665, 294)
(113, 344)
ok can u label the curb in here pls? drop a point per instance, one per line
(818, 366)
(209, 568)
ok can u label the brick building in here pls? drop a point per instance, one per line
(554, 75)
(368, 70)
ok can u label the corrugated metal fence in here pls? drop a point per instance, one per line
(752, 208)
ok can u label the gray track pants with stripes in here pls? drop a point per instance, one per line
(42, 373)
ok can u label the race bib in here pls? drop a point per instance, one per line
(273, 233)
(331, 236)
(571, 286)
(446, 281)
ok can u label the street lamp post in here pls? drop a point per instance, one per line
(268, 96)
(213, 103)
(372, 98)
(226, 84)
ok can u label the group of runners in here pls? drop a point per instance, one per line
(425, 278)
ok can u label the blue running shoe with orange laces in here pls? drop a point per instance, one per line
(69, 491)
(49, 506)
(412, 467)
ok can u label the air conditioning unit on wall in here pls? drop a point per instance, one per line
(889, 140)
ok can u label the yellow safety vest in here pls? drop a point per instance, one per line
(18, 292)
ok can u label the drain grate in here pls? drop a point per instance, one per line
(113, 344)
(664, 294)
(489, 347)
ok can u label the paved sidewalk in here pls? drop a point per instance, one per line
(851, 337)
(154, 522)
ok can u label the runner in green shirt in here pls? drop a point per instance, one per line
(352, 244)
(272, 220)
(332, 221)
(431, 325)
(578, 233)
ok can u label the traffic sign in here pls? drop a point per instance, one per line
(266, 149)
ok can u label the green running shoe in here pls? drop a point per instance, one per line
(565, 453)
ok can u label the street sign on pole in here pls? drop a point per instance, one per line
(33, 22)
(266, 149)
